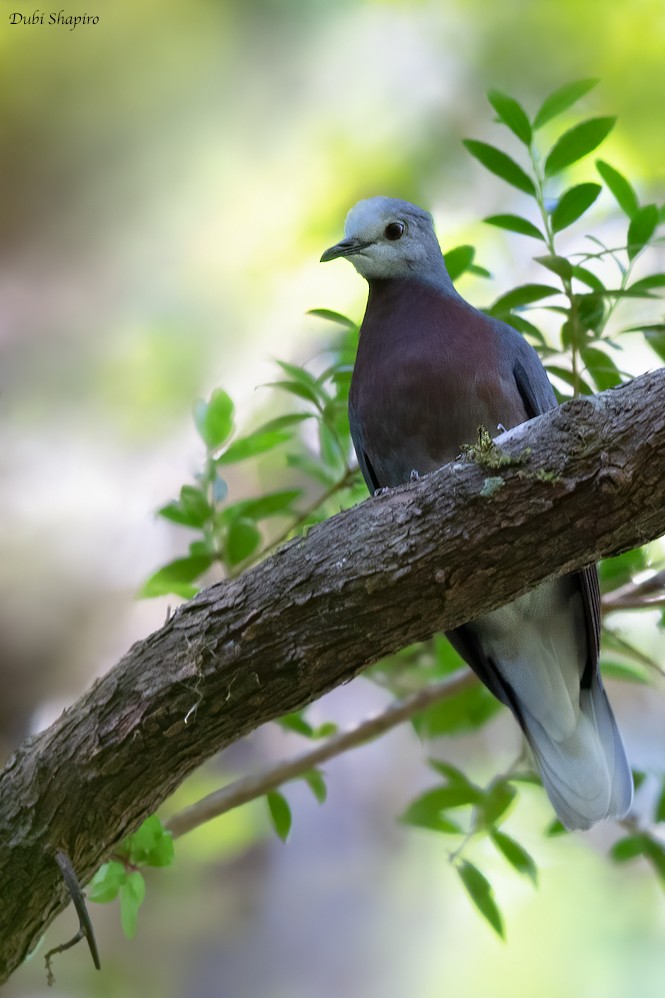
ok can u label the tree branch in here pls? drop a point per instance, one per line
(634, 595)
(395, 569)
(637, 595)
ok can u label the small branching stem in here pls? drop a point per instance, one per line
(256, 785)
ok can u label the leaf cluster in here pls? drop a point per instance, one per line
(150, 845)
(463, 810)
(585, 295)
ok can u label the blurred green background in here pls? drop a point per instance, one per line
(170, 178)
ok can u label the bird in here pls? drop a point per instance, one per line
(430, 370)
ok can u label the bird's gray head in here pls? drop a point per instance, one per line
(385, 237)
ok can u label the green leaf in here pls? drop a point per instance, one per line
(452, 774)
(430, 819)
(627, 848)
(280, 813)
(446, 659)
(628, 672)
(163, 851)
(479, 271)
(138, 845)
(527, 776)
(464, 712)
(503, 166)
(194, 504)
(300, 390)
(282, 422)
(458, 260)
(561, 100)
(588, 277)
(601, 368)
(202, 548)
(342, 381)
(555, 828)
(296, 722)
(308, 382)
(654, 334)
(655, 853)
(497, 801)
(576, 143)
(648, 283)
(132, 893)
(573, 204)
(214, 419)
(515, 223)
(326, 313)
(325, 730)
(642, 227)
(629, 293)
(516, 854)
(242, 539)
(439, 799)
(331, 453)
(660, 806)
(511, 114)
(617, 571)
(151, 844)
(480, 891)
(255, 443)
(313, 469)
(571, 335)
(428, 810)
(620, 187)
(568, 378)
(107, 882)
(557, 264)
(655, 337)
(190, 510)
(271, 504)
(525, 294)
(317, 784)
(337, 373)
(176, 577)
(590, 310)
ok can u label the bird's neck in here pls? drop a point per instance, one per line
(437, 282)
(396, 294)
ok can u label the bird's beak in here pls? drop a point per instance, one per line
(347, 247)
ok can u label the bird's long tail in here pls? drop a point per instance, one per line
(537, 650)
(586, 774)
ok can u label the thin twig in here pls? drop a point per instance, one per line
(257, 784)
(637, 595)
(85, 930)
(300, 519)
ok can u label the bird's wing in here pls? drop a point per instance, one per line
(532, 382)
(538, 397)
(359, 446)
(536, 392)
(468, 647)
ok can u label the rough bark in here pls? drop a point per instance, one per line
(393, 570)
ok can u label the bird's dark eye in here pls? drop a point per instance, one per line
(394, 230)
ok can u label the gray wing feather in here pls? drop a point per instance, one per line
(366, 468)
